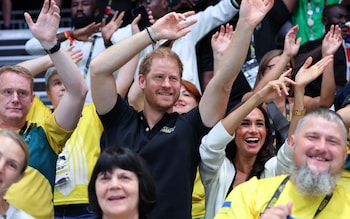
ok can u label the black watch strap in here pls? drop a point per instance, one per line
(54, 49)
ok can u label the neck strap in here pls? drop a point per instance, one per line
(279, 190)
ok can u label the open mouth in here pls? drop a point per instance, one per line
(252, 140)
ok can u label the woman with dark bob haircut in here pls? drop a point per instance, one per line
(121, 185)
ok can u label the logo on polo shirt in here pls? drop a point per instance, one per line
(167, 130)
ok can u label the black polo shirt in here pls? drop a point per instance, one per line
(171, 148)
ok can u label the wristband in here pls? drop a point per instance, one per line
(69, 37)
(54, 49)
(299, 112)
(236, 3)
(150, 36)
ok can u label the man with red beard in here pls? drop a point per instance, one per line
(318, 148)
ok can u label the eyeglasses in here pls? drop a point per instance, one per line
(269, 67)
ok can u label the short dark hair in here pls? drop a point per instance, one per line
(125, 159)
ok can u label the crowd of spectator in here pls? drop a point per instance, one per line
(154, 113)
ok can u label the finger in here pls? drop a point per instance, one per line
(284, 89)
(185, 25)
(288, 81)
(307, 62)
(103, 22)
(215, 36)
(28, 19)
(136, 19)
(285, 74)
(46, 6)
(188, 14)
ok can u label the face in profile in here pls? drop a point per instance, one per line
(319, 145)
(250, 136)
(12, 160)
(186, 102)
(117, 193)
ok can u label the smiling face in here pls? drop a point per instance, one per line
(16, 97)
(251, 134)
(118, 193)
(12, 161)
(186, 101)
(161, 85)
(320, 145)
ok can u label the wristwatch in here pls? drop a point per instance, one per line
(54, 49)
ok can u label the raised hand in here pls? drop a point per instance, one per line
(332, 41)
(83, 34)
(276, 88)
(306, 74)
(253, 11)
(173, 25)
(108, 29)
(46, 26)
(221, 39)
(76, 55)
(291, 44)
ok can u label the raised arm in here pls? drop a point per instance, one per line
(269, 92)
(38, 65)
(330, 45)
(103, 86)
(212, 148)
(213, 104)
(291, 47)
(109, 28)
(69, 109)
(219, 43)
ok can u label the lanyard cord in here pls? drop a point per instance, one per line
(279, 190)
(87, 65)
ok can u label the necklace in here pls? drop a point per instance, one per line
(314, 7)
(310, 21)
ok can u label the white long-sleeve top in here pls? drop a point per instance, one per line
(217, 172)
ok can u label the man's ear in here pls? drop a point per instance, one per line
(165, 3)
(142, 81)
(291, 141)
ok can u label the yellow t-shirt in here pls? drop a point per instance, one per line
(34, 192)
(198, 198)
(249, 199)
(81, 151)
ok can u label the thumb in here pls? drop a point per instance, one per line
(103, 22)
(307, 62)
(289, 206)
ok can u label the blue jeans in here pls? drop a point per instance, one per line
(74, 212)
